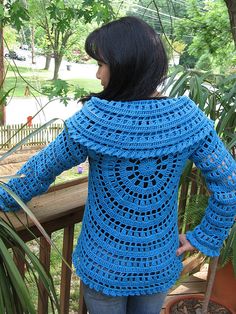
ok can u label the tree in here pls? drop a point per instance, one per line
(60, 21)
(10, 37)
(160, 14)
(206, 22)
(75, 51)
(14, 14)
(199, 24)
(231, 6)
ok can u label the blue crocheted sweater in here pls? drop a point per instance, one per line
(137, 151)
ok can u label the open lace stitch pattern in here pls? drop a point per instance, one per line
(139, 129)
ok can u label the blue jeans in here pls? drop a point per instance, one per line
(99, 303)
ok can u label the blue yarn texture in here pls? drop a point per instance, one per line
(137, 151)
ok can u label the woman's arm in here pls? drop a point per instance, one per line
(219, 170)
(41, 170)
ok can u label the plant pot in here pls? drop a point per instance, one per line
(192, 301)
(224, 286)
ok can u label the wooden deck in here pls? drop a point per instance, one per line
(192, 285)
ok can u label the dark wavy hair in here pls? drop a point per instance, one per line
(135, 55)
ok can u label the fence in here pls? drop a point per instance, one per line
(10, 135)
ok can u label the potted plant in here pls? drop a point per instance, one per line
(221, 279)
(225, 275)
(220, 293)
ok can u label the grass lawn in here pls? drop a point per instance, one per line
(55, 270)
(72, 174)
(88, 84)
(36, 79)
(12, 70)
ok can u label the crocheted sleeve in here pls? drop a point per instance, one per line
(219, 170)
(41, 170)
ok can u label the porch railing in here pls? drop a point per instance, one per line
(60, 208)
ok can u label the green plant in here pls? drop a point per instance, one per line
(15, 294)
(228, 252)
(15, 297)
(216, 96)
(194, 211)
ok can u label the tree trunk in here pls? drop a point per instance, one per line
(32, 45)
(2, 104)
(231, 6)
(57, 64)
(48, 61)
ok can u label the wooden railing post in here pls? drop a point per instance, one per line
(65, 270)
(19, 259)
(60, 208)
(82, 305)
(45, 251)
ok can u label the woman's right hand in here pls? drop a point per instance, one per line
(185, 245)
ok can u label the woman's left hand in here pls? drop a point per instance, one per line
(185, 245)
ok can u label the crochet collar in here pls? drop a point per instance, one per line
(139, 129)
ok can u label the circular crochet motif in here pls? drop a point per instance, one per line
(140, 179)
(129, 235)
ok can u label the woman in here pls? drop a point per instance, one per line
(129, 252)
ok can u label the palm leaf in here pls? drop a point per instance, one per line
(227, 251)
(28, 212)
(6, 300)
(171, 78)
(12, 238)
(179, 85)
(33, 219)
(16, 279)
(226, 116)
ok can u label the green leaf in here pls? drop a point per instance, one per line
(13, 238)
(28, 212)
(232, 143)
(7, 301)
(229, 246)
(16, 279)
(80, 92)
(179, 86)
(4, 95)
(1, 11)
(224, 121)
(58, 88)
(171, 79)
(33, 219)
